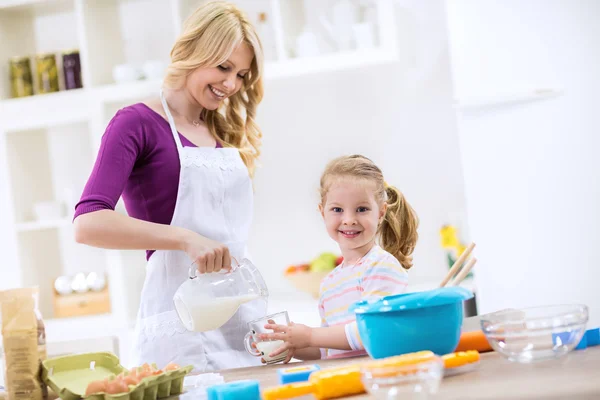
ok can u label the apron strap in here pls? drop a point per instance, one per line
(171, 123)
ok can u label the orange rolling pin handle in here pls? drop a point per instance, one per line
(461, 358)
(289, 391)
(474, 340)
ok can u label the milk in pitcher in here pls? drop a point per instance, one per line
(207, 313)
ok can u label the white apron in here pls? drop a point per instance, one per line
(214, 199)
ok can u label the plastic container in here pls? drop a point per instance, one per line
(412, 322)
(535, 334)
(296, 374)
(195, 386)
(69, 376)
(416, 381)
(238, 390)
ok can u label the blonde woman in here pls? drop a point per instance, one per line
(183, 163)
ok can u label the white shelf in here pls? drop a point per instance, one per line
(129, 91)
(41, 111)
(40, 225)
(479, 102)
(33, 5)
(77, 105)
(327, 63)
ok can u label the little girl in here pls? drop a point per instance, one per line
(359, 210)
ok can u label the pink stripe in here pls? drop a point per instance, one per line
(349, 353)
(344, 322)
(334, 296)
(384, 278)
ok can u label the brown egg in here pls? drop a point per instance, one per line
(143, 374)
(117, 386)
(132, 380)
(95, 387)
(171, 367)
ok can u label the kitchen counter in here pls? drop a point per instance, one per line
(573, 377)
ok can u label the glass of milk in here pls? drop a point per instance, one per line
(262, 348)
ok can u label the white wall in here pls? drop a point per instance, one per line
(400, 115)
(531, 170)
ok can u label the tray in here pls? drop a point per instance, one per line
(69, 376)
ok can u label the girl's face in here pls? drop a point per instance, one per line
(210, 86)
(352, 214)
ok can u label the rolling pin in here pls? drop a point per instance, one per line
(332, 383)
(474, 340)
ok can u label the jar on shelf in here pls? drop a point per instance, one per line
(46, 73)
(21, 79)
(72, 69)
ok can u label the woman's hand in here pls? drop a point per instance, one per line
(294, 336)
(208, 255)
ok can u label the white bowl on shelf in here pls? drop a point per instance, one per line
(123, 73)
(154, 69)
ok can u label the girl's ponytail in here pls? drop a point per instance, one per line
(398, 231)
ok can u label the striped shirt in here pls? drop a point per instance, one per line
(378, 273)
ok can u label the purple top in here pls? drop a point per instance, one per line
(138, 160)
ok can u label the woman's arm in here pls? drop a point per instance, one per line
(111, 230)
(97, 224)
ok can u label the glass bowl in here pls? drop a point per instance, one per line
(416, 381)
(537, 333)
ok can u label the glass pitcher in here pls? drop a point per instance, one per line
(207, 301)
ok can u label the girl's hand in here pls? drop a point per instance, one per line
(208, 255)
(290, 354)
(295, 336)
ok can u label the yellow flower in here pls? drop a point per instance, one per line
(449, 237)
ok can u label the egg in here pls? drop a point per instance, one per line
(117, 386)
(131, 380)
(146, 367)
(143, 374)
(171, 367)
(95, 387)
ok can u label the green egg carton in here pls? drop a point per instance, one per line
(69, 376)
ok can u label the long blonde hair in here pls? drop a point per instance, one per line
(397, 233)
(209, 37)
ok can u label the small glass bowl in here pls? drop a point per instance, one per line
(537, 333)
(416, 381)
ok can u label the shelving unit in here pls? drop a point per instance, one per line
(517, 97)
(48, 142)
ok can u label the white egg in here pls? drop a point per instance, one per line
(79, 283)
(96, 281)
(62, 285)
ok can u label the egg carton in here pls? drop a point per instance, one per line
(68, 377)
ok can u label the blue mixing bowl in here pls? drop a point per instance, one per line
(411, 322)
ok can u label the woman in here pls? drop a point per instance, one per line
(182, 163)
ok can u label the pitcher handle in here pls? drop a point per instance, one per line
(248, 345)
(192, 270)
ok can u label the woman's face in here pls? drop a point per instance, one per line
(210, 86)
